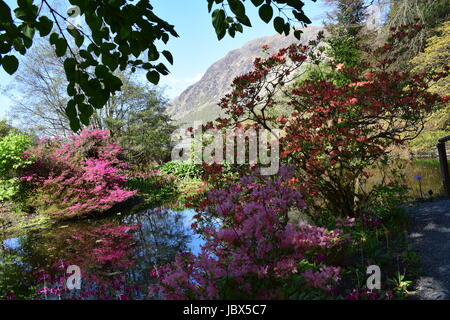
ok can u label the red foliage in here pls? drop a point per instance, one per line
(334, 131)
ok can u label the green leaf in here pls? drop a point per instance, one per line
(24, 3)
(125, 32)
(5, 47)
(153, 53)
(78, 37)
(113, 83)
(244, 20)
(153, 77)
(71, 91)
(221, 33)
(75, 125)
(53, 38)
(27, 42)
(18, 46)
(86, 112)
(296, 4)
(237, 7)
(10, 64)
(101, 71)
(20, 13)
(5, 12)
(300, 16)
(71, 110)
(210, 5)
(168, 56)
(100, 99)
(79, 98)
(79, 40)
(218, 18)
(162, 69)
(28, 32)
(219, 23)
(266, 13)
(165, 38)
(110, 61)
(257, 3)
(70, 68)
(298, 34)
(278, 24)
(61, 47)
(45, 26)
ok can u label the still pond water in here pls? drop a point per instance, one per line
(118, 255)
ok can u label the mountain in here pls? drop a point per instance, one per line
(199, 101)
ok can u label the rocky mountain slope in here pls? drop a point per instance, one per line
(199, 101)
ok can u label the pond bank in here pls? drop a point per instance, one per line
(430, 237)
(15, 223)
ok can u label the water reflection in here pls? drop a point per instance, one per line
(427, 169)
(116, 255)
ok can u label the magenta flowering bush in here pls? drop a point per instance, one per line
(252, 249)
(76, 177)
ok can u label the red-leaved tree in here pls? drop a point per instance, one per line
(333, 130)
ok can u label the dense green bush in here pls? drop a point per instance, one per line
(156, 188)
(12, 158)
(182, 169)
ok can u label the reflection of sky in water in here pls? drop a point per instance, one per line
(196, 240)
(162, 235)
(166, 227)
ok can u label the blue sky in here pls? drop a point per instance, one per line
(197, 47)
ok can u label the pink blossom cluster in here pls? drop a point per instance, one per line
(79, 176)
(321, 279)
(251, 248)
(347, 222)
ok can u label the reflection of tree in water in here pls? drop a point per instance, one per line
(106, 250)
(19, 258)
(14, 274)
(426, 168)
(162, 234)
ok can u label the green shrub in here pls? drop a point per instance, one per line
(157, 189)
(8, 188)
(12, 158)
(188, 187)
(12, 148)
(182, 169)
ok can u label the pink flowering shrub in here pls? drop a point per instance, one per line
(76, 177)
(251, 248)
